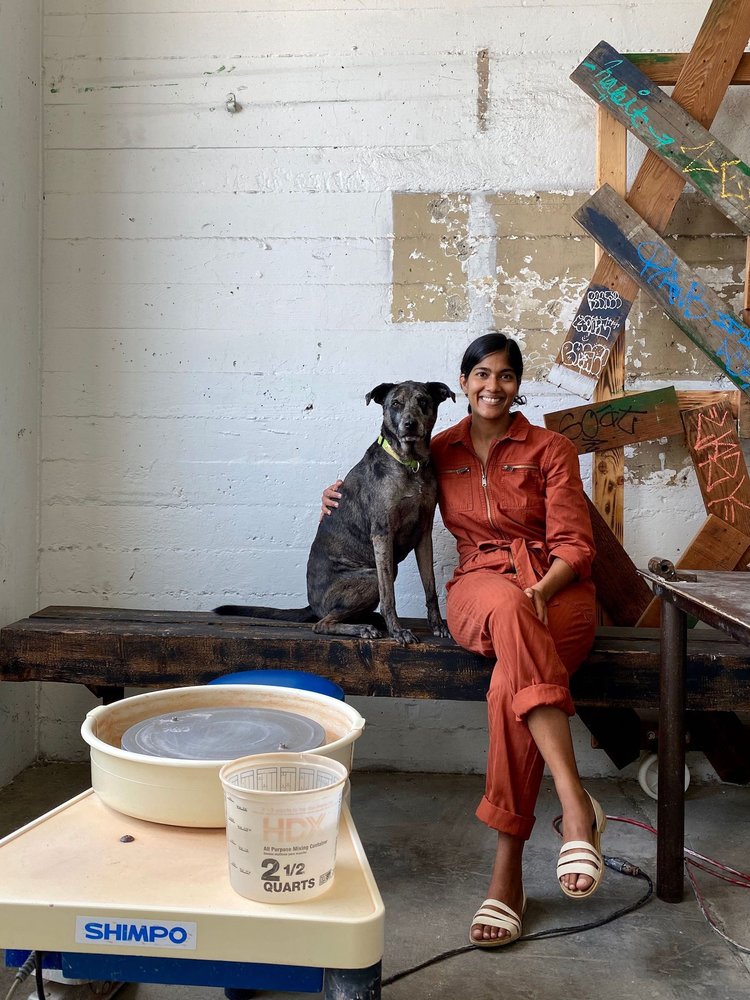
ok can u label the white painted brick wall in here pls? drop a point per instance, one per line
(20, 175)
(216, 286)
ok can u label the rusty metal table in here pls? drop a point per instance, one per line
(721, 600)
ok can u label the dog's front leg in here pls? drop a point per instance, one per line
(426, 565)
(383, 547)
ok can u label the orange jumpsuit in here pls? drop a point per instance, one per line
(509, 520)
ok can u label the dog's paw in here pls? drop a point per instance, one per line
(404, 636)
(440, 629)
(370, 632)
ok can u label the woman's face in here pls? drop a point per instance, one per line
(491, 386)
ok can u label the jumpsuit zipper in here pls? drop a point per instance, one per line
(489, 511)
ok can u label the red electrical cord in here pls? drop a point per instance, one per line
(694, 860)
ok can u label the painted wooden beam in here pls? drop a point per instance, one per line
(615, 422)
(717, 546)
(662, 126)
(652, 265)
(702, 83)
(719, 464)
(664, 68)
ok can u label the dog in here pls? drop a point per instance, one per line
(387, 510)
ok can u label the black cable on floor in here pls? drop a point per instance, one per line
(616, 864)
(38, 956)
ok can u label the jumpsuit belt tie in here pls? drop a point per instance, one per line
(529, 558)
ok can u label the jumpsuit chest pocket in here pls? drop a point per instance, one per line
(521, 485)
(456, 489)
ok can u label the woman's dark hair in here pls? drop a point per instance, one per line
(493, 343)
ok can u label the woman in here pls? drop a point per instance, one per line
(511, 494)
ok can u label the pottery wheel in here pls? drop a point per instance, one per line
(222, 733)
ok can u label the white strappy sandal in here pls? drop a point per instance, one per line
(494, 913)
(584, 858)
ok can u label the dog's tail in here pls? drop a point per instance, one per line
(297, 615)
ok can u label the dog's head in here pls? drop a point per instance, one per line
(409, 414)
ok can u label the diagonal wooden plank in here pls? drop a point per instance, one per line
(688, 301)
(620, 589)
(639, 416)
(700, 88)
(662, 125)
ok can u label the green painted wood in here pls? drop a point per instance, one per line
(694, 307)
(614, 423)
(665, 128)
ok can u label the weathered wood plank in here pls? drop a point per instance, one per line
(689, 302)
(629, 419)
(717, 545)
(664, 128)
(703, 80)
(696, 399)
(622, 669)
(620, 589)
(738, 402)
(663, 68)
(608, 469)
(719, 465)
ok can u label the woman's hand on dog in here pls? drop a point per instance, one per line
(330, 498)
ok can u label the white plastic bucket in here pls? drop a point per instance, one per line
(282, 814)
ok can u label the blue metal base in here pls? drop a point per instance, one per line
(178, 971)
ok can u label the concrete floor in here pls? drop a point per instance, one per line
(431, 860)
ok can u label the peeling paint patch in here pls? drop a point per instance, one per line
(542, 271)
(430, 249)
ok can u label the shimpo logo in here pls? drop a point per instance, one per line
(151, 933)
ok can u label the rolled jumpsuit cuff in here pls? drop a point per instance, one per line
(504, 821)
(542, 694)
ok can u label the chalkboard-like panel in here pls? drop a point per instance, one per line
(664, 127)
(641, 416)
(689, 302)
(719, 464)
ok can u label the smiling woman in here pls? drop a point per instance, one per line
(511, 495)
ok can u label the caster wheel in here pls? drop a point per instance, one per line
(648, 776)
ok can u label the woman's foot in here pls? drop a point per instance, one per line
(506, 885)
(582, 825)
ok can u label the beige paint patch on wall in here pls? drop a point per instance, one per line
(430, 245)
(542, 261)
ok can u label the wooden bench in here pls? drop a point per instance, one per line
(107, 649)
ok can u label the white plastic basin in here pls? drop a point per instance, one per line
(189, 792)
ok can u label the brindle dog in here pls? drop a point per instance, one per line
(387, 509)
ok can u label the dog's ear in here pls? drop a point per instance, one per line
(440, 392)
(379, 393)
